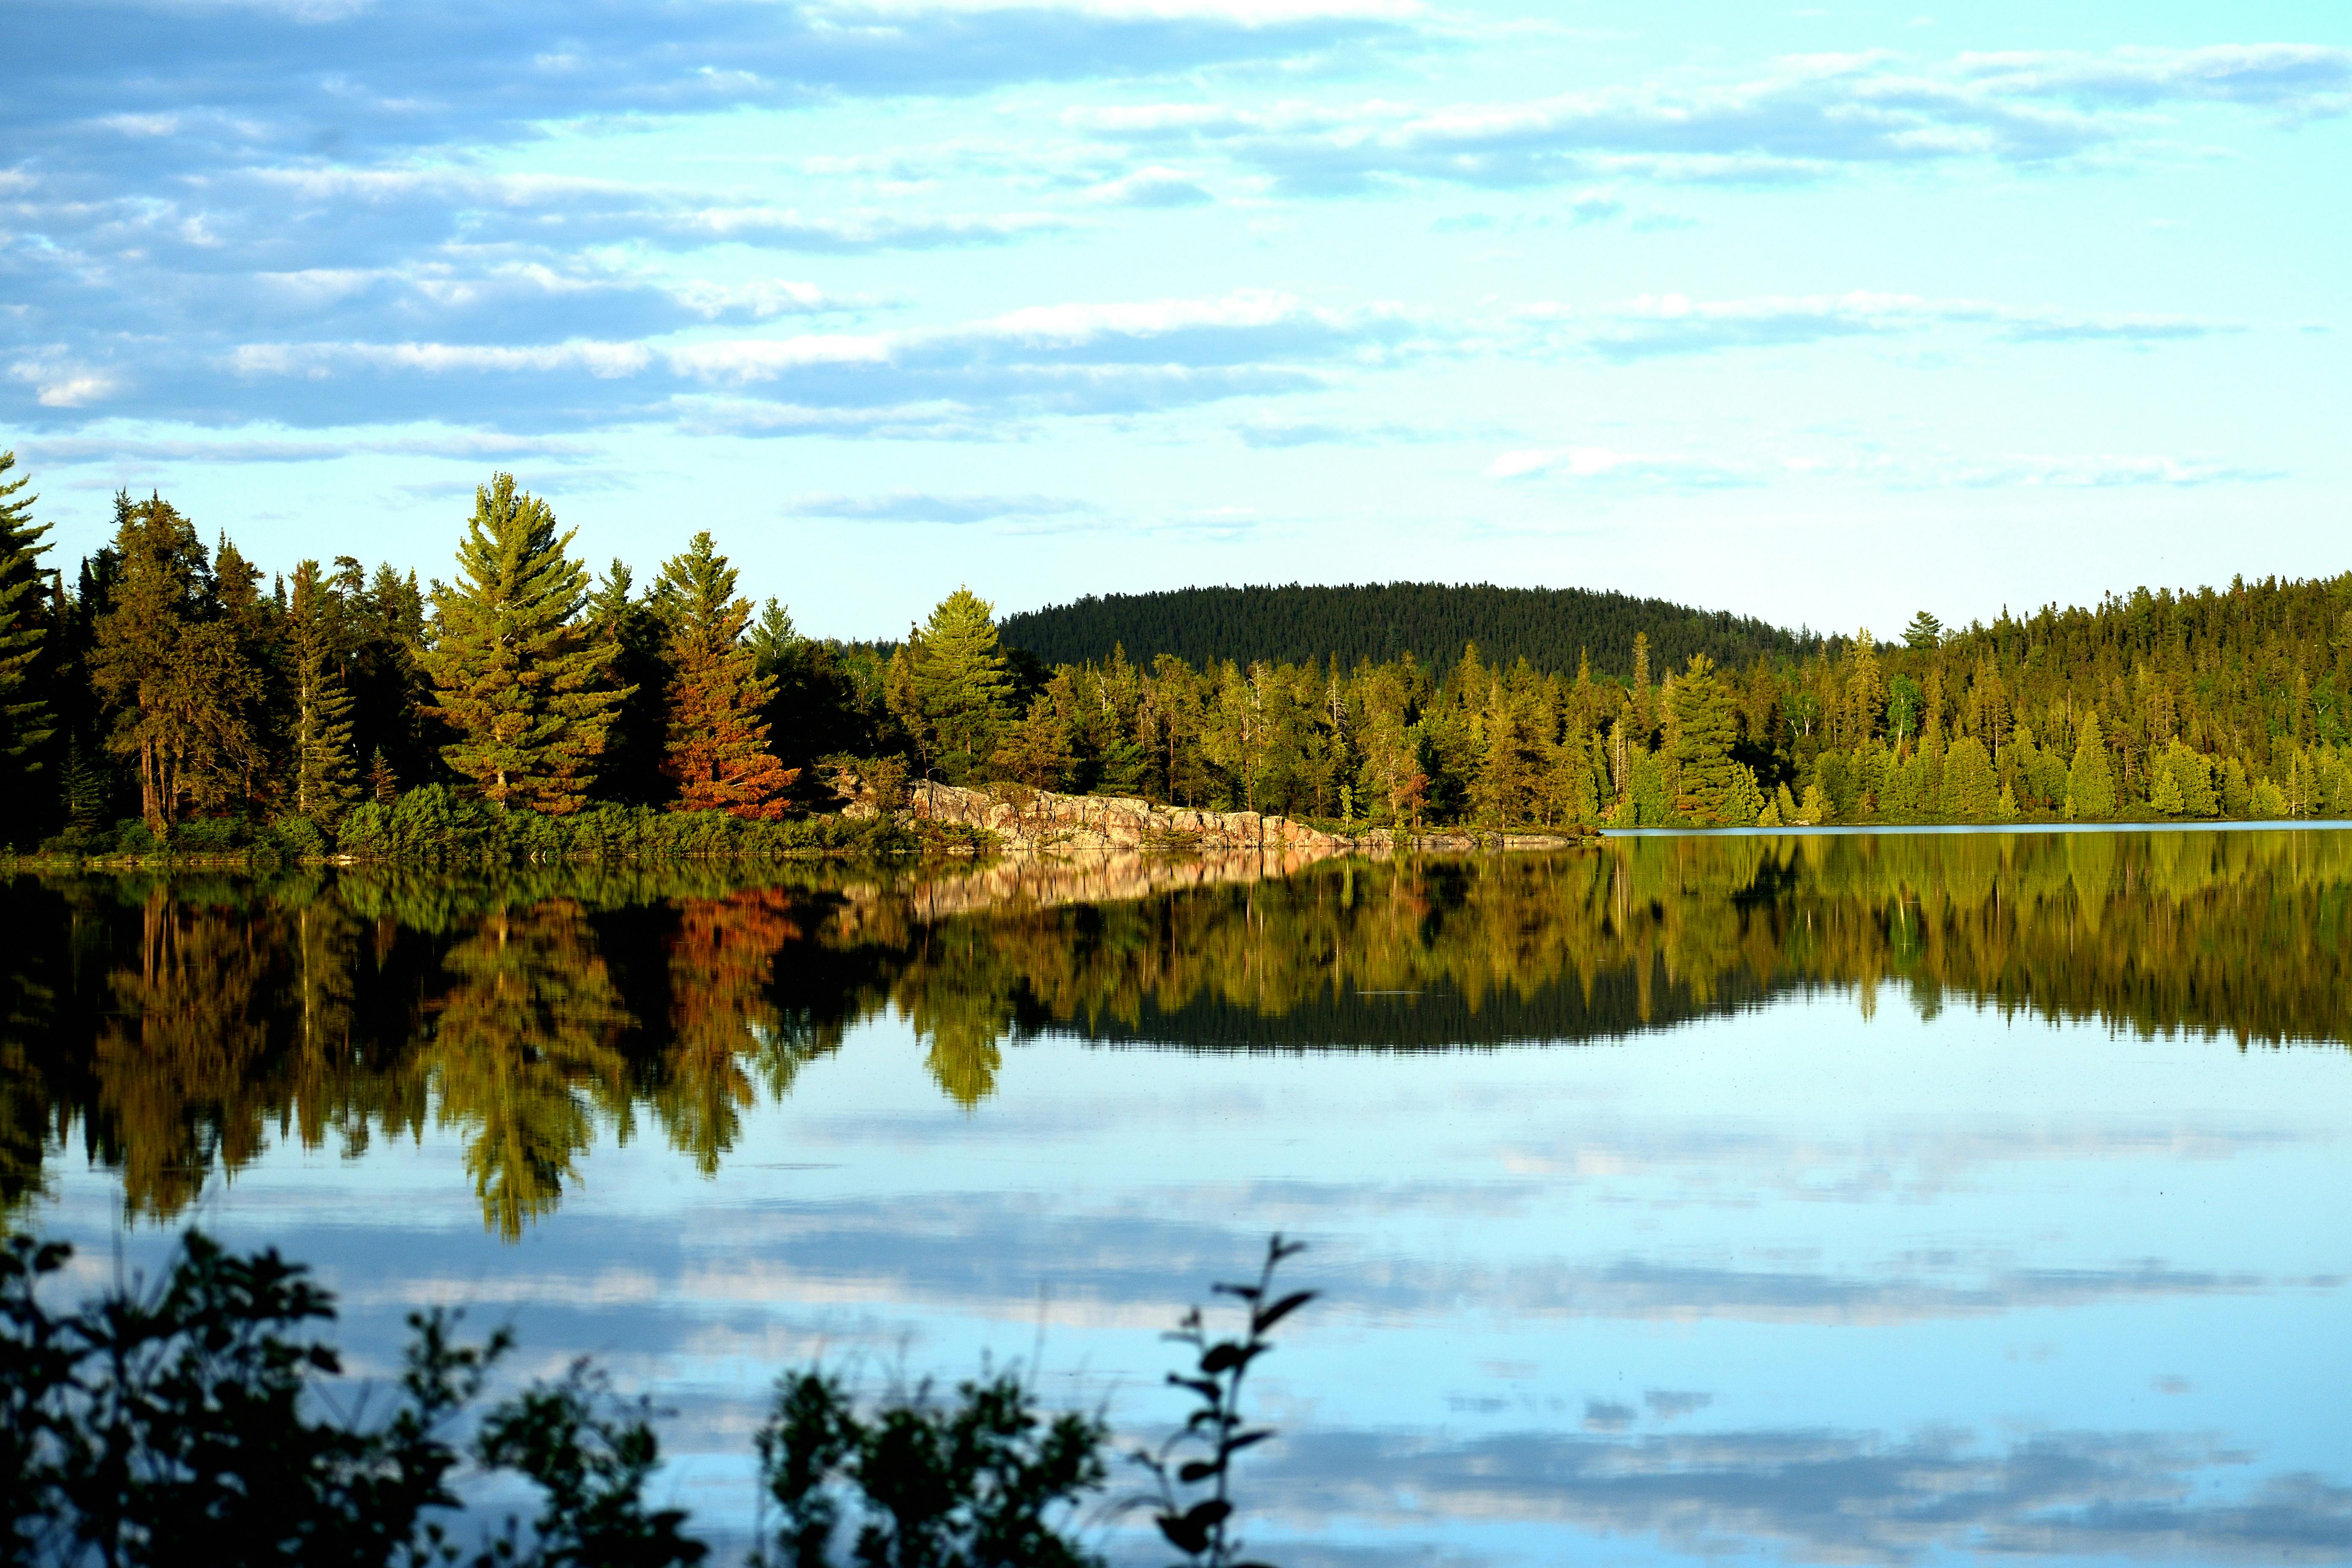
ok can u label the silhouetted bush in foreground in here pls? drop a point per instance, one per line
(191, 1422)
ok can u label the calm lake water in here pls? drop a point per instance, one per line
(1898, 1198)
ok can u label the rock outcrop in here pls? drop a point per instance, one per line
(1041, 822)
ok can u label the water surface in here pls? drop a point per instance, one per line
(1898, 1198)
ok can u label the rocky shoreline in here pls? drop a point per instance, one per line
(1039, 822)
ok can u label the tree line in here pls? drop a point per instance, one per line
(167, 689)
(1301, 623)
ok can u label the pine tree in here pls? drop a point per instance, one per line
(2090, 785)
(519, 678)
(382, 783)
(1704, 729)
(1816, 809)
(26, 719)
(1969, 790)
(950, 687)
(718, 748)
(322, 726)
(169, 666)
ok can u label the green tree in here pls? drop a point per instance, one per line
(169, 667)
(718, 749)
(2090, 785)
(1706, 729)
(1971, 791)
(26, 718)
(320, 728)
(949, 688)
(1924, 632)
(519, 678)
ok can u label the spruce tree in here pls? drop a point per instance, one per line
(26, 719)
(2090, 785)
(1971, 791)
(320, 726)
(1704, 729)
(520, 678)
(949, 686)
(718, 742)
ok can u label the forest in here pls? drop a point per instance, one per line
(172, 695)
(1552, 628)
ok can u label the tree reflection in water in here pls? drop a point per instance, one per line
(169, 1025)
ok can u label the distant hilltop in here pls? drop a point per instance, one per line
(1299, 624)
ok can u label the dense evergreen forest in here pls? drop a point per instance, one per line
(168, 693)
(1552, 628)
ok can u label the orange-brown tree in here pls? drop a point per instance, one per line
(718, 749)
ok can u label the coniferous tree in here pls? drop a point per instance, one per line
(949, 685)
(169, 666)
(320, 727)
(26, 718)
(634, 766)
(383, 784)
(718, 744)
(519, 679)
(1971, 790)
(2090, 784)
(1704, 732)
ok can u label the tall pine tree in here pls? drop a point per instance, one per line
(521, 681)
(26, 719)
(319, 725)
(718, 749)
(2090, 784)
(949, 686)
(1706, 729)
(169, 665)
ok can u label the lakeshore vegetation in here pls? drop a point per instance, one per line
(169, 694)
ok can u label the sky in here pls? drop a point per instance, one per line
(1824, 314)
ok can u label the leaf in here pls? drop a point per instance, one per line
(1196, 1470)
(1181, 1532)
(1207, 1513)
(1261, 1322)
(1247, 1439)
(1224, 1356)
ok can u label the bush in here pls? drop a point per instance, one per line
(141, 1424)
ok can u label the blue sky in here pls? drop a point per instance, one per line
(1821, 313)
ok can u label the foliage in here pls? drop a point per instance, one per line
(718, 741)
(1548, 627)
(1193, 1506)
(172, 665)
(518, 675)
(974, 1484)
(949, 686)
(319, 731)
(143, 1424)
(26, 718)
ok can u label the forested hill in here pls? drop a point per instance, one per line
(1378, 621)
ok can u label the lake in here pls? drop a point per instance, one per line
(1833, 1198)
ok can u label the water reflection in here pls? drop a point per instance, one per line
(172, 1027)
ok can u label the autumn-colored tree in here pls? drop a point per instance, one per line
(519, 678)
(169, 666)
(718, 735)
(320, 727)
